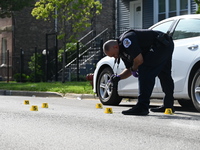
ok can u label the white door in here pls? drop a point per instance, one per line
(136, 14)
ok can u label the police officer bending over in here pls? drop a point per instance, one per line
(146, 55)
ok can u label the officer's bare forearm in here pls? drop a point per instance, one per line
(125, 74)
(134, 67)
(137, 62)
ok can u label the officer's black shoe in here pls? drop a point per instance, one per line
(140, 111)
(161, 109)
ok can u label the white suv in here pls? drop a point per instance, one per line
(185, 31)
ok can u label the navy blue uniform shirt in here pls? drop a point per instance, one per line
(134, 42)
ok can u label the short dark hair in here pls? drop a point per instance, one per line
(108, 44)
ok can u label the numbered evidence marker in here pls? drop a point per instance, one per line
(34, 108)
(99, 106)
(26, 102)
(45, 105)
(168, 111)
(108, 111)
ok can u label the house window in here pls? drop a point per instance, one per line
(183, 7)
(169, 8)
(162, 10)
(3, 51)
(172, 8)
(138, 8)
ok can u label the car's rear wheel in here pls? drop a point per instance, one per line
(107, 94)
(195, 90)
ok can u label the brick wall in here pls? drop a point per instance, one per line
(107, 17)
(30, 33)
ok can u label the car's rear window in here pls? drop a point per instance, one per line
(187, 28)
(164, 27)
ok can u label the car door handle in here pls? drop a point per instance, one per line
(192, 47)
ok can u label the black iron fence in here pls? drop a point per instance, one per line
(37, 64)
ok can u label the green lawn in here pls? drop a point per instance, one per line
(68, 87)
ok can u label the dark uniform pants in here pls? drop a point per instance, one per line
(157, 62)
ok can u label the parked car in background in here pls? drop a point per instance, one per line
(185, 31)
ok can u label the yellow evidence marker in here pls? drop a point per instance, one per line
(168, 111)
(99, 105)
(34, 108)
(26, 102)
(45, 105)
(108, 111)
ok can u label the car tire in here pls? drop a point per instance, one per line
(107, 95)
(195, 90)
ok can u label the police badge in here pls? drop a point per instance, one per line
(126, 42)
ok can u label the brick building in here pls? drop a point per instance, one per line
(6, 42)
(24, 32)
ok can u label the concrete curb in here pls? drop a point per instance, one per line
(68, 95)
(46, 94)
(29, 93)
(80, 96)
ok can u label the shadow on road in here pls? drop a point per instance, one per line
(180, 112)
(177, 108)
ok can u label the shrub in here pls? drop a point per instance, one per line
(18, 78)
(37, 74)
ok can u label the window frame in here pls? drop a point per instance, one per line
(167, 11)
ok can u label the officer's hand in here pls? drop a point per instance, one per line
(135, 74)
(115, 79)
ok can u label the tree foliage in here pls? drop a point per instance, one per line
(7, 6)
(35, 65)
(72, 15)
(198, 3)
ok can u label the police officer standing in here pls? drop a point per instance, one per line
(146, 55)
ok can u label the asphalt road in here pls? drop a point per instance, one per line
(74, 124)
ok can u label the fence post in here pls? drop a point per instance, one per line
(63, 65)
(77, 71)
(8, 66)
(69, 74)
(47, 59)
(35, 70)
(56, 58)
(21, 64)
